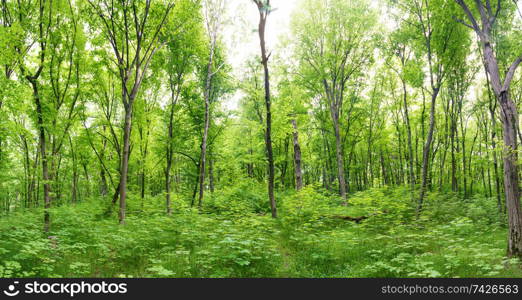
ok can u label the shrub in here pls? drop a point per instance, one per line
(304, 207)
(247, 196)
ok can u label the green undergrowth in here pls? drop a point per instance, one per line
(233, 235)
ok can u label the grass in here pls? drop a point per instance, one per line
(453, 238)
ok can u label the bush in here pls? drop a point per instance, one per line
(247, 196)
(388, 205)
(484, 210)
(447, 207)
(304, 207)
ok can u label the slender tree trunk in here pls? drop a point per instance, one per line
(454, 182)
(103, 183)
(211, 173)
(426, 151)
(125, 161)
(194, 192)
(263, 14)
(34, 178)
(74, 191)
(43, 155)
(495, 160)
(115, 197)
(169, 152)
(167, 188)
(339, 155)
(383, 170)
(463, 145)
(418, 141)
(86, 174)
(208, 86)
(453, 130)
(297, 157)
(28, 171)
(143, 183)
(442, 165)
(284, 163)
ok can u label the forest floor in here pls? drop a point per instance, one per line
(232, 237)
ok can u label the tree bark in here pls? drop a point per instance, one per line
(103, 183)
(408, 131)
(263, 8)
(211, 173)
(426, 151)
(74, 188)
(297, 157)
(43, 155)
(339, 153)
(125, 162)
(208, 86)
(492, 106)
(167, 188)
(463, 148)
(169, 150)
(511, 188)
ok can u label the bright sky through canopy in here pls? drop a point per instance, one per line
(241, 37)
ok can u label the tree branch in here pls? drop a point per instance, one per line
(510, 73)
(462, 22)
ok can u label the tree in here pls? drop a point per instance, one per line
(440, 43)
(33, 80)
(408, 72)
(264, 10)
(134, 34)
(214, 10)
(183, 52)
(483, 21)
(333, 51)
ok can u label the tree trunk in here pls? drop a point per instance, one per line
(125, 161)
(263, 14)
(143, 182)
(297, 158)
(453, 130)
(43, 154)
(103, 183)
(208, 86)
(492, 107)
(426, 151)
(167, 184)
(115, 196)
(169, 152)
(463, 145)
(74, 191)
(454, 182)
(211, 174)
(383, 170)
(495, 160)
(339, 155)
(509, 122)
(509, 116)
(194, 192)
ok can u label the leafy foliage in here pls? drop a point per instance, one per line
(306, 242)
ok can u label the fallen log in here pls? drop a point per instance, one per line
(353, 219)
